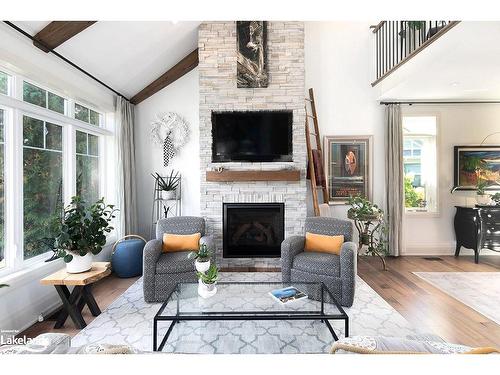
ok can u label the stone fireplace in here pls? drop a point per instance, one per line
(285, 92)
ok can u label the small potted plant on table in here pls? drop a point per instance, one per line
(81, 233)
(207, 281)
(481, 197)
(202, 258)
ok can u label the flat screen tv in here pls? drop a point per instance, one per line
(253, 136)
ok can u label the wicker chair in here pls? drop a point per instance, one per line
(162, 271)
(337, 272)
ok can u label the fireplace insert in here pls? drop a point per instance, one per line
(253, 230)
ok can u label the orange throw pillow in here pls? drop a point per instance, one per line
(323, 244)
(180, 242)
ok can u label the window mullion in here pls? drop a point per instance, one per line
(69, 163)
(14, 190)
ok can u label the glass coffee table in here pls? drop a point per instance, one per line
(247, 301)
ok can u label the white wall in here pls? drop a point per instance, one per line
(181, 97)
(338, 68)
(457, 125)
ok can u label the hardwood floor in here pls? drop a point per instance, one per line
(428, 307)
(418, 301)
(105, 292)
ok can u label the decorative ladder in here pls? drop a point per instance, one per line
(312, 169)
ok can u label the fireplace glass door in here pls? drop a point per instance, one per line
(253, 230)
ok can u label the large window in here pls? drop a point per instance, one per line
(87, 166)
(42, 181)
(43, 98)
(2, 196)
(47, 155)
(419, 163)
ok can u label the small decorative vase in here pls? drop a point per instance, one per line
(206, 290)
(79, 263)
(168, 195)
(202, 266)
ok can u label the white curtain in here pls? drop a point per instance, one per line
(394, 177)
(125, 148)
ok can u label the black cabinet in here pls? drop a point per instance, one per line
(477, 228)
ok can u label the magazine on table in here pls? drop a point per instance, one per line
(287, 295)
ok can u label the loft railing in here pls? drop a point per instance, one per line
(398, 41)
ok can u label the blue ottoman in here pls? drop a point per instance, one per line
(126, 259)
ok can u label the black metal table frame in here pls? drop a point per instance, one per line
(248, 315)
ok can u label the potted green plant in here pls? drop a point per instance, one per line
(371, 226)
(412, 35)
(207, 281)
(167, 185)
(201, 257)
(81, 233)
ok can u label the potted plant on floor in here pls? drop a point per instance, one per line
(167, 185)
(207, 281)
(81, 233)
(202, 258)
(371, 226)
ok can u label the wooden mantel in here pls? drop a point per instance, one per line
(234, 175)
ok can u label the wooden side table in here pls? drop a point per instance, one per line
(81, 295)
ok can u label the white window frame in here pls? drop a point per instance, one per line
(10, 83)
(436, 115)
(90, 108)
(15, 108)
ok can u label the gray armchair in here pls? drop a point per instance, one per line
(162, 271)
(337, 272)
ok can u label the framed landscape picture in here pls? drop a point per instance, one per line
(467, 159)
(348, 167)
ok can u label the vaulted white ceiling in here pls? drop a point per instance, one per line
(126, 55)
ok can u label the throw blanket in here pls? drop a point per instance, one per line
(395, 345)
(318, 167)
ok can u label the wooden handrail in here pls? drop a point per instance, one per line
(377, 27)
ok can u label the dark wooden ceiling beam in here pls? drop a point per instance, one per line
(57, 32)
(184, 66)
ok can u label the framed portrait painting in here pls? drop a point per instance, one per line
(469, 159)
(348, 167)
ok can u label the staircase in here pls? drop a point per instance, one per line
(396, 42)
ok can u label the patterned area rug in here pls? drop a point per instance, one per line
(478, 290)
(129, 320)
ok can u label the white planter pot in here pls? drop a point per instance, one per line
(80, 264)
(206, 290)
(483, 199)
(202, 266)
(168, 195)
